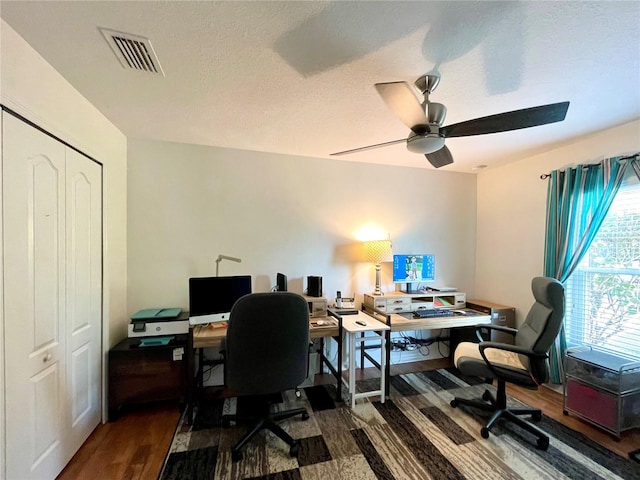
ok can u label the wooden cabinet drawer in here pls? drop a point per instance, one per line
(396, 305)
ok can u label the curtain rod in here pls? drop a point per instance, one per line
(544, 176)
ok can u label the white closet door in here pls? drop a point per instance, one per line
(33, 182)
(83, 304)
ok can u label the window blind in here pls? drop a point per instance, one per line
(603, 293)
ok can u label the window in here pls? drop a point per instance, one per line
(603, 293)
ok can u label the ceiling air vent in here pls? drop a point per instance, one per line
(133, 51)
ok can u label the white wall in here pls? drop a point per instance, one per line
(511, 214)
(32, 88)
(296, 215)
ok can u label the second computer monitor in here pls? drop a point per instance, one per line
(281, 282)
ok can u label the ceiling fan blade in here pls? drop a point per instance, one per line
(400, 98)
(440, 158)
(368, 147)
(504, 122)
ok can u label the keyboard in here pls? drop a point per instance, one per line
(432, 312)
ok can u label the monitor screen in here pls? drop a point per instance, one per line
(211, 298)
(413, 268)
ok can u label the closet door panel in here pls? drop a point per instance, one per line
(33, 183)
(84, 298)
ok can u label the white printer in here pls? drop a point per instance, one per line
(159, 321)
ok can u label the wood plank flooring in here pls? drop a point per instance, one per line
(134, 447)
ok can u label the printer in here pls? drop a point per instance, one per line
(159, 321)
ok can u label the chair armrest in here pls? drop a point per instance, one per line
(500, 328)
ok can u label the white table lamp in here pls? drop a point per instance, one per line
(376, 252)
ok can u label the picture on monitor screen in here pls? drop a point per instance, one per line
(413, 268)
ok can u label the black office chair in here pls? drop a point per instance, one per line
(266, 352)
(524, 363)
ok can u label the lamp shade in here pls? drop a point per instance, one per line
(377, 251)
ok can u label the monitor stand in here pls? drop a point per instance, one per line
(409, 289)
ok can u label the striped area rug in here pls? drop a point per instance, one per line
(413, 435)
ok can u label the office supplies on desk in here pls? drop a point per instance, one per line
(344, 311)
(443, 289)
(317, 306)
(156, 313)
(155, 341)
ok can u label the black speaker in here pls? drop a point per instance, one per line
(314, 286)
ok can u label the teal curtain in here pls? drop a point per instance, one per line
(578, 199)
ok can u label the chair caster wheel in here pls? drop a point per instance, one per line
(453, 403)
(236, 456)
(543, 443)
(484, 431)
(293, 451)
(486, 396)
(536, 417)
(305, 416)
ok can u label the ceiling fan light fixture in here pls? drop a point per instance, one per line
(428, 143)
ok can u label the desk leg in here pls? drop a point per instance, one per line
(200, 383)
(321, 354)
(383, 367)
(387, 358)
(190, 375)
(339, 340)
(352, 368)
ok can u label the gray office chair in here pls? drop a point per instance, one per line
(266, 352)
(524, 363)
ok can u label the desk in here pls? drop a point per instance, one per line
(202, 336)
(357, 333)
(399, 323)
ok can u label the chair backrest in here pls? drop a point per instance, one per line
(543, 322)
(267, 344)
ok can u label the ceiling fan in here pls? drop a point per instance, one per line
(425, 120)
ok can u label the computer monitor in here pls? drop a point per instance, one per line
(281, 282)
(211, 298)
(413, 268)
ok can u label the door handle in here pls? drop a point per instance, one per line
(46, 358)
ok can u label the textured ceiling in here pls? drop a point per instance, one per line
(297, 77)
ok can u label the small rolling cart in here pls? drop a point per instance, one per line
(602, 388)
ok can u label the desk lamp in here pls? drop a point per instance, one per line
(376, 252)
(225, 257)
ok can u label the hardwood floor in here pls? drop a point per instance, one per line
(134, 446)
